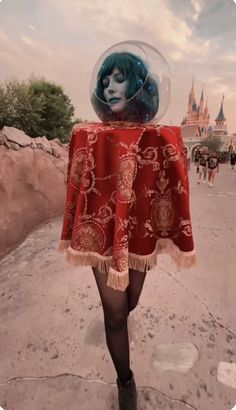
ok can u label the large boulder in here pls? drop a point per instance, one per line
(13, 138)
(32, 188)
(16, 136)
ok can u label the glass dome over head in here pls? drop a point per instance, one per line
(130, 82)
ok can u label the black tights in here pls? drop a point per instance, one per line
(116, 308)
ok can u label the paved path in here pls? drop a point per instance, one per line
(183, 333)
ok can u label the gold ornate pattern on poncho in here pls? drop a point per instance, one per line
(127, 199)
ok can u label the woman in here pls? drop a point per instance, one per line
(127, 200)
(202, 164)
(125, 90)
(212, 167)
(232, 159)
(119, 80)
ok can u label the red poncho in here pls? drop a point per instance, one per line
(127, 199)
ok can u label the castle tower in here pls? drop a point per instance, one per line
(220, 119)
(192, 106)
(206, 109)
(201, 103)
(220, 128)
(196, 116)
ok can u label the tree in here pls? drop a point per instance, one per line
(38, 107)
(19, 108)
(57, 115)
(212, 142)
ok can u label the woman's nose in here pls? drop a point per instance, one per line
(111, 87)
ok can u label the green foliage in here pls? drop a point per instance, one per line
(19, 108)
(212, 142)
(56, 119)
(77, 120)
(38, 107)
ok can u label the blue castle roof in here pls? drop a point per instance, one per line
(220, 116)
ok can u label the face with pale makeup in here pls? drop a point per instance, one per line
(114, 89)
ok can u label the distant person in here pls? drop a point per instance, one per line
(188, 160)
(202, 164)
(196, 156)
(233, 159)
(187, 154)
(213, 167)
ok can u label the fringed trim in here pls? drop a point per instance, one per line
(63, 245)
(118, 280)
(78, 258)
(183, 260)
(142, 262)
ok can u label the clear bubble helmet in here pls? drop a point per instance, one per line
(131, 82)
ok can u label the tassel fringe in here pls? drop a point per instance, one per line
(77, 258)
(183, 260)
(120, 280)
(63, 246)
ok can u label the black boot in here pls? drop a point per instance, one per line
(127, 394)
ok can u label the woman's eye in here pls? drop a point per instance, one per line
(120, 78)
(105, 82)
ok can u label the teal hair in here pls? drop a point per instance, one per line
(142, 90)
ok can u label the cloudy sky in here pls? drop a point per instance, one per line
(61, 40)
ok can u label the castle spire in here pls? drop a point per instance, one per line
(202, 97)
(206, 107)
(220, 117)
(192, 106)
(201, 101)
(193, 83)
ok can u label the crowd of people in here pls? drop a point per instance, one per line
(207, 164)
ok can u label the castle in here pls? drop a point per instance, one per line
(198, 116)
(196, 123)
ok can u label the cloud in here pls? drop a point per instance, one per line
(198, 6)
(8, 46)
(184, 32)
(32, 27)
(228, 57)
(156, 24)
(27, 40)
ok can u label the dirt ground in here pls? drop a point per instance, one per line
(182, 334)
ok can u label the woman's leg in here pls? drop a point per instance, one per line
(200, 174)
(136, 281)
(209, 176)
(213, 175)
(115, 309)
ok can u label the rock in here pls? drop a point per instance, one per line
(7, 144)
(38, 142)
(61, 149)
(55, 152)
(33, 145)
(226, 374)
(3, 138)
(57, 141)
(17, 136)
(46, 145)
(13, 138)
(32, 191)
(14, 146)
